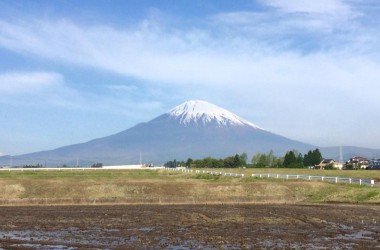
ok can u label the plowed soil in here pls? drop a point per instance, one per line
(190, 227)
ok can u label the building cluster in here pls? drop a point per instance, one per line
(374, 164)
(356, 162)
(326, 163)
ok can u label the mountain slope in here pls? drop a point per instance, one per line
(193, 129)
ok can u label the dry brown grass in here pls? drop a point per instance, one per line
(164, 187)
(11, 190)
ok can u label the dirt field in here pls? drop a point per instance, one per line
(190, 227)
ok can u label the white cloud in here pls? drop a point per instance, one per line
(331, 7)
(245, 56)
(49, 90)
(28, 82)
(294, 18)
(178, 56)
(190, 57)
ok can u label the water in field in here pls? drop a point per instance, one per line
(74, 238)
(191, 227)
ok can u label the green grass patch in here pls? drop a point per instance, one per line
(206, 177)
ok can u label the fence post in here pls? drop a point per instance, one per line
(309, 177)
(287, 176)
(372, 183)
(360, 182)
(322, 178)
(350, 180)
(277, 176)
(336, 179)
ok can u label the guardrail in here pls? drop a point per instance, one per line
(284, 176)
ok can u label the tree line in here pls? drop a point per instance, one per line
(235, 161)
(292, 159)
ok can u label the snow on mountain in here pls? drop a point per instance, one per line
(202, 112)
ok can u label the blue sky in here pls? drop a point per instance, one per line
(72, 71)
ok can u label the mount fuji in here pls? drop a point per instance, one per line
(194, 129)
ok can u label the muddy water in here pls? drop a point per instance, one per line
(190, 227)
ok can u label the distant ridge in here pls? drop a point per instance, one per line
(194, 129)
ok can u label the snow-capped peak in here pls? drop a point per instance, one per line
(203, 112)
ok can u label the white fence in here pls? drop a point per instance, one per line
(284, 176)
(321, 178)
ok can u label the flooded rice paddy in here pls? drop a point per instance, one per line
(190, 227)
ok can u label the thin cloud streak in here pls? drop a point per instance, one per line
(15, 83)
(330, 7)
(50, 89)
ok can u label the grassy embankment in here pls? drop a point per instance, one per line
(166, 187)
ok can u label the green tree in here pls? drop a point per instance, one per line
(256, 160)
(232, 162)
(312, 158)
(97, 165)
(189, 162)
(293, 159)
(243, 159)
(271, 159)
(260, 160)
(329, 167)
(173, 164)
(307, 159)
(289, 159)
(300, 160)
(316, 156)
